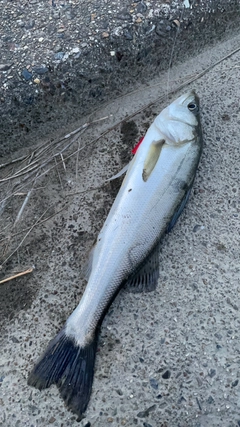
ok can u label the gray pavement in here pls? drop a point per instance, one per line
(168, 358)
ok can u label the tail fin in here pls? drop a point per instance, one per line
(70, 367)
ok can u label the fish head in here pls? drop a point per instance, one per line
(179, 123)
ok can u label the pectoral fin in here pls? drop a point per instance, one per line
(152, 158)
(120, 173)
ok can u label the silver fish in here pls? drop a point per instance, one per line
(150, 200)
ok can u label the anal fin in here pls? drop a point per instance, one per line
(179, 210)
(146, 278)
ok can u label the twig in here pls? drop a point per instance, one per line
(36, 223)
(64, 166)
(35, 164)
(22, 207)
(86, 125)
(20, 244)
(16, 275)
(59, 176)
(77, 159)
(24, 203)
(3, 165)
(20, 173)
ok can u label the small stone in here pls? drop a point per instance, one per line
(220, 247)
(160, 30)
(105, 34)
(225, 117)
(26, 75)
(141, 7)
(218, 336)
(40, 70)
(166, 375)
(109, 419)
(20, 23)
(147, 425)
(153, 383)
(59, 55)
(37, 81)
(196, 228)
(127, 34)
(15, 340)
(181, 400)
(235, 383)
(145, 413)
(212, 372)
(210, 400)
(138, 20)
(176, 22)
(51, 420)
(117, 31)
(75, 49)
(5, 67)
(124, 16)
(41, 39)
(30, 24)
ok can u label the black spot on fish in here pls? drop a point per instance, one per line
(180, 185)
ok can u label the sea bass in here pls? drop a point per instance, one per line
(152, 196)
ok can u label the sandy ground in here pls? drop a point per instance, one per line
(167, 358)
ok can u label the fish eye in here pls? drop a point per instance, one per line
(193, 107)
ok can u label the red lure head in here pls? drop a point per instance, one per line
(134, 150)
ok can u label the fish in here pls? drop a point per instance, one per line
(152, 196)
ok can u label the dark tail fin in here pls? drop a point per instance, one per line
(68, 366)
